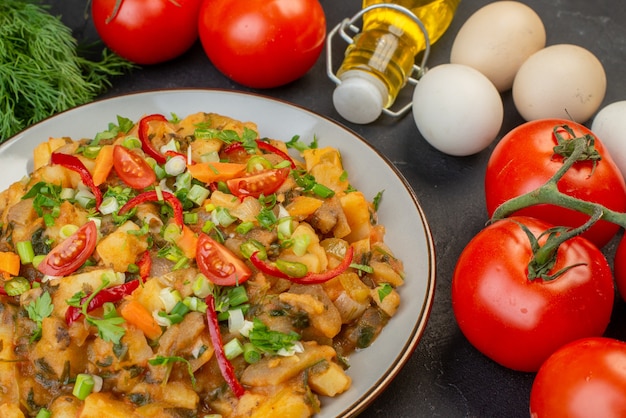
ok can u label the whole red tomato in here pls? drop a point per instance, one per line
(147, 31)
(619, 267)
(586, 378)
(518, 322)
(262, 43)
(524, 159)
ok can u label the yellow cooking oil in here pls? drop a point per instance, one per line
(389, 41)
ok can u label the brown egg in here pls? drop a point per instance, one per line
(497, 39)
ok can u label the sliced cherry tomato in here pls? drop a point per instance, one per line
(220, 265)
(72, 253)
(586, 378)
(256, 184)
(132, 169)
(519, 322)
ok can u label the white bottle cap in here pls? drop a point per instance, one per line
(360, 97)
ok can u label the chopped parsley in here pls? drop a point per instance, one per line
(39, 309)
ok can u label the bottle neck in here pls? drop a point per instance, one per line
(383, 54)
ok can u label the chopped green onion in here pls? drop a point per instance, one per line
(250, 353)
(322, 191)
(25, 251)
(208, 226)
(170, 297)
(67, 193)
(109, 205)
(16, 286)
(38, 259)
(43, 413)
(283, 164)
(159, 171)
(91, 151)
(257, 163)
(175, 165)
(170, 146)
(252, 246)
(300, 244)
(195, 304)
(171, 233)
(292, 268)
(84, 386)
(180, 309)
(284, 227)
(235, 320)
(222, 216)
(68, 230)
(84, 198)
(202, 287)
(244, 227)
(198, 194)
(237, 296)
(131, 142)
(183, 181)
(190, 218)
(233, 348)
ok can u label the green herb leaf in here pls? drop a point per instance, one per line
(41, 71)
(384, 290)
(270, 341)
(39, 309)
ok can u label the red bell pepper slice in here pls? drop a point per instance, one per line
(73, 163)
(153, 196)
(226, 367)
(145, 265)
(309, 278)
(146, 145)
(110, 294)
(236, 146)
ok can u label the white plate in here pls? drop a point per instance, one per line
(408, 233)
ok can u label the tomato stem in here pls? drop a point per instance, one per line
(578, 150)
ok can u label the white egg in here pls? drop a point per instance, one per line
(560, 81)
(497, 39)
(457, 109)
(609, 126)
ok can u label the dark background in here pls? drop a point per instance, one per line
(445, 376)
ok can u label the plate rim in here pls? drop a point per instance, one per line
(418, 328)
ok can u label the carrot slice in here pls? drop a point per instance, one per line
(216, 171)
(138, 315)
(9, 263)
(104, 164)
(188, 242)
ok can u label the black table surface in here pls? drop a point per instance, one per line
(445, 376)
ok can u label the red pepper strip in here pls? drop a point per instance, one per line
(226, 367)
(145, 265)
(152, 196)
(110, 294)
(236, 146)
(146, 145)
(73, 163)
(273, 150)
(309, 278)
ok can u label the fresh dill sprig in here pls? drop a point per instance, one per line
(41, 72)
